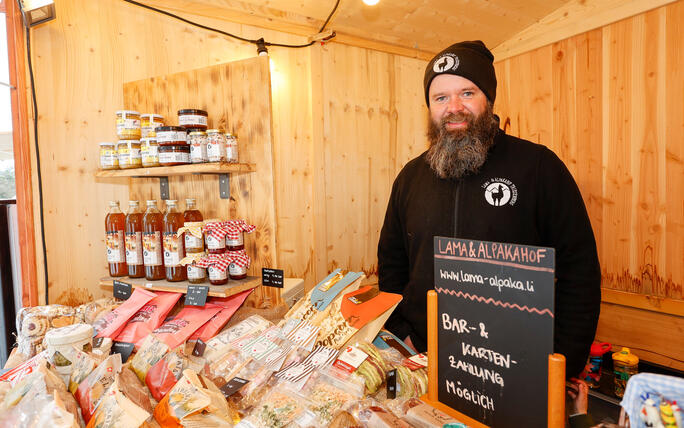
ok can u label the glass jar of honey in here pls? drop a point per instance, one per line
(149, 124)
(129, 154)
(196, 274)
(198, 146)
(109, 157)
(174, 249)
(128, 125)
(149, 151)
(192, 231)
(193, 119)
(216, 146)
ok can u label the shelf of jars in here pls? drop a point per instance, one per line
(165, 171)
(229, 289)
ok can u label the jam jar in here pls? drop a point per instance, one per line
(214, 245)
(175, 154)
(150, 122)
(216, 146)
(128, 125)
(198, 146)
(235, 244)
(193, 244)
(109, 157)
(171, 135)
(237, 272)
(149, 150)
(196, 274)
(129, 154)
(193, 119)
(217, 275)
(231, 148)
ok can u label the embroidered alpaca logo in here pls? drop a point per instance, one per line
(500, 192)
(445, 62)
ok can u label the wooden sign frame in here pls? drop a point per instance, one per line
(556, 389)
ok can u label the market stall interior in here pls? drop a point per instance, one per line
(201, 187)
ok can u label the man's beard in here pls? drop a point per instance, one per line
(455, 154)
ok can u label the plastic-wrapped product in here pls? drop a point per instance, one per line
(83, 365)
(186, 398)
(134, 390)
(229, 305)
(92, 389)
(163, 375)
(177, 330)
(41, 411)
(92, 311)
(151, 351)
(115, 410)
(376, 416)
(34, 322)
(280, 407)
(111, 324)
(148, 318)
(218, 345)
(329, 392)
(373, 369)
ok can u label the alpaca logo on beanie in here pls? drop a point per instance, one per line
(445, 62)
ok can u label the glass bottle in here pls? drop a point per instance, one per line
(114, 240)
(134, 247)
(153, 225)
(191, 212)
(174, 250)
(193, 218)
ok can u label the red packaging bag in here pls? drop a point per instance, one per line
(148, 318)
(177, 330)
(229, 306)
(111, 324)
(164, 374)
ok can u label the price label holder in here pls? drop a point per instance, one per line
(123, 348)
(122, 290)
(272, 277)
(97, 341)
(196, 295)
(199, 348)
(392, 384)
(233, 386)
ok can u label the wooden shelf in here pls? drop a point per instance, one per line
(233, 287)
(165, 171)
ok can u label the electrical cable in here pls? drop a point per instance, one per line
(235, 36)
(40, 177)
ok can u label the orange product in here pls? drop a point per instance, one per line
(177, 330)
(114, 240)
(134, 250)
(111, 324)
(93, 387)
(148, 318)
(153, 253)
(174, 249)
(229, 306)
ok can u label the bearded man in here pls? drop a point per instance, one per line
(477, 182)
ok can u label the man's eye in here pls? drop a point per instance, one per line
(468, 93)
(440, 99)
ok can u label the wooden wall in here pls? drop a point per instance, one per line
(346, 119)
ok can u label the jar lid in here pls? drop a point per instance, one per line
(170, 128)
(151, 202)
(213, 131)
(148, 139)
(193, 223)
(153, 116)
(124, 112)
(626, 357)
(70, 334)
(599, 348)
(106, 144)
(192, 111)
(197, 133)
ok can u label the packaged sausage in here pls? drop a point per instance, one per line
(228, 307)
(148, 318)
(177, 330)
(111, 324)
(92, 389)
(151, 351)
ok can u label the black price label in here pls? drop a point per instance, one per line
(97, 342)
(199, 348)
(272, 277)
(123, 348)
(122, 290)
(197, 295)
(233, 386)
(392, 384)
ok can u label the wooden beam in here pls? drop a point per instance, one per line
(22, 153)
(643, 301)
(263, 17)
(576, 17)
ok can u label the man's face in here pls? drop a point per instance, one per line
(455, 102)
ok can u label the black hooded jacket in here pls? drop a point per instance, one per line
(523, 194)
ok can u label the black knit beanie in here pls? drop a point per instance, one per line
(471, 60)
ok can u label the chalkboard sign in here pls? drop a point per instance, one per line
(196, 295)
(495, 329)
(123, 348)
(122, 290)
(272, 277)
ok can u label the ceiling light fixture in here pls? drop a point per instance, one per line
(261, 47)
(371, 2)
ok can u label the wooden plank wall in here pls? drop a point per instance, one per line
(346, 119)
(609, 103)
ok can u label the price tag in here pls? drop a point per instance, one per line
(197, 295)
(392, 384)
(272, 277)
(350, 359)
(97, 342)
(122, 290)
(233, 386)
(199, 348)
(123, 348)
(415, 362)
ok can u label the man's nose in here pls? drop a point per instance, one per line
(455, 105)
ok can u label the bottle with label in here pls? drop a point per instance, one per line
(153, 226)
(174, 249)
(194, 242)
(191, 212)
(134, 247)
(114, 240)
